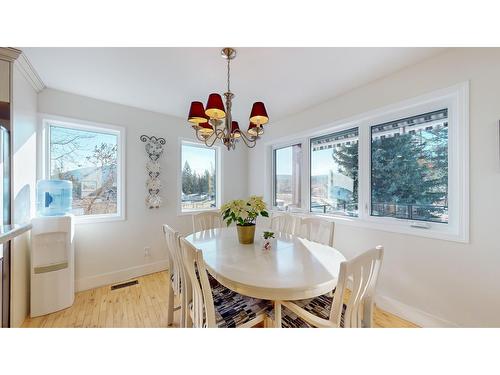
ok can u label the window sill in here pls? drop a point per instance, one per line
(392, 226)
(197, 211)
(91, 219)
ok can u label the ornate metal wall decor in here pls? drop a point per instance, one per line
(154, 149)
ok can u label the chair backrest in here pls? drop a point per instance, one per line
(175, 265)
(206, 220)
(363, 272)
(317, 230)
(283, 222)
(202, 300)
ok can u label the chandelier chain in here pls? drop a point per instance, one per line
(228, 74)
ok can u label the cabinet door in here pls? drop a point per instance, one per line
(4, 81)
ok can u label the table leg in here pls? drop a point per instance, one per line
(277, 314)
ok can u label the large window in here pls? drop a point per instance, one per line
(89, 157)
(409, 168)
(403, 168)
(287, 181)
(334, 173)
(199, 177)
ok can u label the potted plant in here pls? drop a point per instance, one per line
(269, 240)
(244, 213)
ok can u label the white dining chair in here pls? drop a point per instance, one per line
(213, 305)
(324, 311)
(176, 275)
(283, 222)
(206, 220)
(317, 229)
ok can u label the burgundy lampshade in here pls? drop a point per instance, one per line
(197, 113)
(235, 129)
(215, 107)
(255, 130)
(205, 129)
(259, 114)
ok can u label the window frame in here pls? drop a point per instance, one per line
(310, 140)
(218, 173)
(273, 173)
(456, 100)
(70, 123)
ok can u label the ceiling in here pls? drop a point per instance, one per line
(166, 80)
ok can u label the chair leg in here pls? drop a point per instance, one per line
(367, 314)
(182, 317)
(170, 305)
(188, 322)
(277, 314)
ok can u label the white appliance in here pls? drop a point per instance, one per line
(52, 264)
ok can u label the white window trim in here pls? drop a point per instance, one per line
(304, 185)
(456, 99)
(218, 172)
(44, 159)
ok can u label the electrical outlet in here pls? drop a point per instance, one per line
(147, 251)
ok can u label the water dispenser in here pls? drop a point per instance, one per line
(52, 248)
(54, 197)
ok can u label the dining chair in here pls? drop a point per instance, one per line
(351, 305)
(283, 222)
(317, 229)
(212, 304)
(206, 220)
(175, 275)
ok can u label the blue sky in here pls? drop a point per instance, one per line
(199, 159)
(322, 161)
(85, 145)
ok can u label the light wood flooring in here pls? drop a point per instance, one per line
(141, 305)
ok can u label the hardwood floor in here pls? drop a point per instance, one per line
(141, 305)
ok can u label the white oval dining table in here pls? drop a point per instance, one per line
(294, 269)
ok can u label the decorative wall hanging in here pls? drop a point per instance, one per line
(154, 149)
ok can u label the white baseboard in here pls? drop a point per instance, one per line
(412, 314)
(119, 276)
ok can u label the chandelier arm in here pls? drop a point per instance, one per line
(217, 136)
(249, 142)
(205, 140)
(198, 136)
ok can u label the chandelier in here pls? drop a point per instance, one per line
(215, 122)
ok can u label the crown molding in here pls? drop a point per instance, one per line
(29, 72)
(10, 54)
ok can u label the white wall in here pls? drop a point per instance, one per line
(23, 194)
(113, 251)
(432, 282)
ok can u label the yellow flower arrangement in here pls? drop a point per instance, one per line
(244, 212)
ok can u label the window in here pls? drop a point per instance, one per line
(287, 179)
(409, 173)
(90, 157)
(199, 177)
(403, 168)
(334, 173)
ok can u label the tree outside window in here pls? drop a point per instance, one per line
(409, 164)
(198, 178)
(89, 160)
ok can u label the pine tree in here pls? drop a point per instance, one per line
(187, 179)
(437, 165)
(346, 157)
(399, 170)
